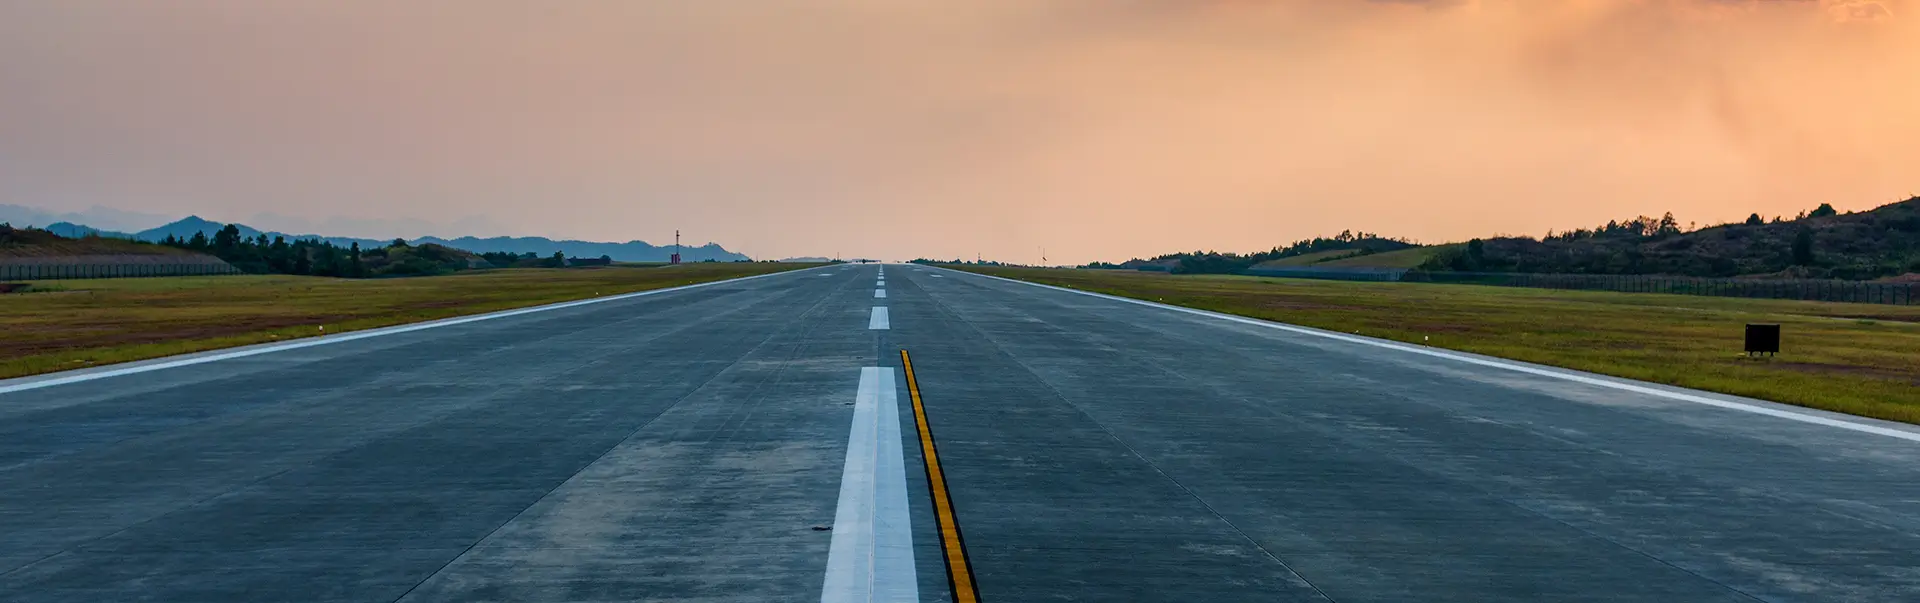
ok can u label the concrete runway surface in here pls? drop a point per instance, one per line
(757, 440)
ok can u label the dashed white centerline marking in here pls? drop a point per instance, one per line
(870, 557)
(878, 321)
(879, 293)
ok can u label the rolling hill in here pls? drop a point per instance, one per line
(71, 225)
(43, 243)
(1404, 258)
(1879, 243)
(1306, 259)
(630, 251)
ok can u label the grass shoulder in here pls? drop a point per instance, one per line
(84, 323)
(1859, 359)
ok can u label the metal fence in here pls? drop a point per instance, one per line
(1904, 294)
(34, 272)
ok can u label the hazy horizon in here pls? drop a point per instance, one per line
(1099, 130)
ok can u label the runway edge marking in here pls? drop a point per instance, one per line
(1519, 368)
(953, 546)
(33, 382)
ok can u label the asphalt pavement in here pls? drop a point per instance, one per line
(756, 440)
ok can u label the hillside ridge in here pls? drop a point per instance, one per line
(1822, 243)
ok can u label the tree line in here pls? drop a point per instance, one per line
(1816, 243)
(318, 257)
(1213, 262)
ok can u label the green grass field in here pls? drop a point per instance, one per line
(1854, 358)
(1306, 259)
(1405, 258)
(82, 323)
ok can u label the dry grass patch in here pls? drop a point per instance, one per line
(72, 324)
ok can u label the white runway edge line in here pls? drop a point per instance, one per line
(879, 293)
(1518, 368)
(871, 555)
(878, 320)
(40, 382)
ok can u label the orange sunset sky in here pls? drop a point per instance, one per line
(1099, 129)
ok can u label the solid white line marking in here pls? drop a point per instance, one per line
(879, 293)
(878, 321)
(1518, 368)
(27, 383)
(870, 557)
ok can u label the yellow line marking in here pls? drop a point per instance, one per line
(959, 573)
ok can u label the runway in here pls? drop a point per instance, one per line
(759, 440)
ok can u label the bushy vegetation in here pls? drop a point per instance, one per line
(953, 261)
(260, 255)
(31, 242)
(1821, 243)
(21, 236)
(1817, 243)
(1213, 262)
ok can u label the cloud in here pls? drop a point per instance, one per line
(1097, 128)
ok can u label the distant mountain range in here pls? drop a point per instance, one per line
(105, 218)
(630, 251)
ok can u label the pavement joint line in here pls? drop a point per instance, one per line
(1499, 364)
(870, 557)
(449, 563)
(583, 468)
(878, 320)
(42, 381)
(953, 546)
